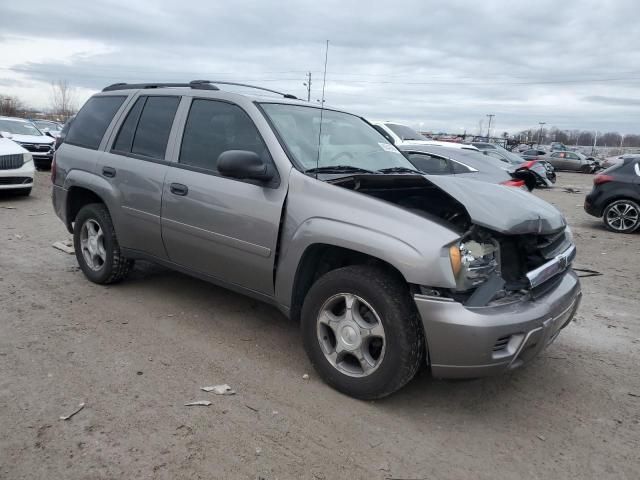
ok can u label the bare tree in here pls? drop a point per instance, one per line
(63, 99)
(11, 106)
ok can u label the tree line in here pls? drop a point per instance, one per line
(577, 137)
(63, 103)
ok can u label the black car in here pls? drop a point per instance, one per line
(616, 196)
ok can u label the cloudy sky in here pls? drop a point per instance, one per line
(439, 66)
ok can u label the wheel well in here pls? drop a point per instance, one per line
(77, 198)
(319, 259)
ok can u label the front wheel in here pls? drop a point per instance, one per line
(96, 245)
(362, 332)
(622, 216)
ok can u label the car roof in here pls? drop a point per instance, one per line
(15, 119)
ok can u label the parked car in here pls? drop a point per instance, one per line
(616, 159)
(534, 154)
(16, 168)
(573, 161)
(399, 134)
(48, 127)
(436, 160)
(558, 147)
(546, 174)
(615, 196)
(29, 137)
(312, 210)
(63, 133)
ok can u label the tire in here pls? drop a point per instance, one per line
(382, 297)
(108, 265)
(586, 169)
(622, 216)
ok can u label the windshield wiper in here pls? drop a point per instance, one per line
(338, 169)
(399, 170)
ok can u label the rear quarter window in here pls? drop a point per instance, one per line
(92, 121)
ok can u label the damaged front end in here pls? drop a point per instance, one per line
(513, 290)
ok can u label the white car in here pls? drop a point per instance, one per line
(400, 134)
(28, 136)
(16, 167)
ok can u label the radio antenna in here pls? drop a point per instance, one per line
(324, 82)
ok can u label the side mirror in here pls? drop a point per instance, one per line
(6, 135)
(243, 164)
(48, 133)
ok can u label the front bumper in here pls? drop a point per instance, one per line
(473, 342)
(17, 177)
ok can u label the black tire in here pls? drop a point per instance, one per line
(608, 215)
(404, 337)
(116, 267)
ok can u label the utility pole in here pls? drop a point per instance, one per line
(540, 132)
(595, 141)
(491, 115)
(308, 85)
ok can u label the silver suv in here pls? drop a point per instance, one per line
(314, 211)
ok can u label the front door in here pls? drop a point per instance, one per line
(222, 227)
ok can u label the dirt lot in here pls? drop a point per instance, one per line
(136, 352)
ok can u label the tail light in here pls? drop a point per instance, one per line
(53, 169)
(600, 179)
(528, 164)
(513, 183)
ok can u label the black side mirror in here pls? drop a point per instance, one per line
(243, 164)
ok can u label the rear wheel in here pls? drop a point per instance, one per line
(96, 245)
(362, 332)
(622, 216)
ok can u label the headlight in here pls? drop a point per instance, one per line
(27, 157)
(473, 262)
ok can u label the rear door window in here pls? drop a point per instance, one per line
(146, 129)
(92, 121)
(430, 164)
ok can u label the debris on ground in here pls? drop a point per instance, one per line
(305, 376)
(198, 403)
(541, 437)
(223, 389)
(571, 190)
(6, 207)
(36, 214)
(19, 237)
(251, 408)
(634, 394)
(384, 467)
(67, 417)
(258, 451)
(587, 272)
(65, 246)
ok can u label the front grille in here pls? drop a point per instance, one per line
(15, 180)
(551, 245)
(11, 162)
(36, 147)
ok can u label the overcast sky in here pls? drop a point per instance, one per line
(439, 66)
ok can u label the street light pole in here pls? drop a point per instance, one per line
(308, 85)
(491, 115)
(540, 132)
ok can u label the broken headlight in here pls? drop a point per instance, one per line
(473, 262)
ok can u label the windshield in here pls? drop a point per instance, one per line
(19, 128)
(512, 157)
(345, 140)
(404, 132)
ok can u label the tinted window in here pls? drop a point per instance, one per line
(128, 129)
(155, 122)
(460, 168)
(214, 127)
(92, 121)
(573, 156)
(428, 164)
(404, 132)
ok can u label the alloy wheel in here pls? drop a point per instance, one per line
(92, 245)
(622, 216)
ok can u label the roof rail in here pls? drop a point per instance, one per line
(195, 84)
(135, 86)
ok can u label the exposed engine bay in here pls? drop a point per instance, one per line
(489, 266)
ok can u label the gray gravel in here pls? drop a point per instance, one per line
(135, 353)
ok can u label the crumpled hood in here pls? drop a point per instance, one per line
(500, 208)
(32, 139)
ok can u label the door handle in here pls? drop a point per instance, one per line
(109, 172)
(179, 189)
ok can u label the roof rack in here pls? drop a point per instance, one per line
(195, 84)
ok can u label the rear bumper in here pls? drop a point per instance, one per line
(592, 206)
(17, 177)
(473, 342)
(59, 200)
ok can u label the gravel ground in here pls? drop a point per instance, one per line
(136, 352)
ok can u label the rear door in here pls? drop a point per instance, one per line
(223, 227)
(135, 163)
(573, 162)
(557, 160)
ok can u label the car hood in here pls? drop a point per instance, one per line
(500, 208)
(32, 139)
(9, 147)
